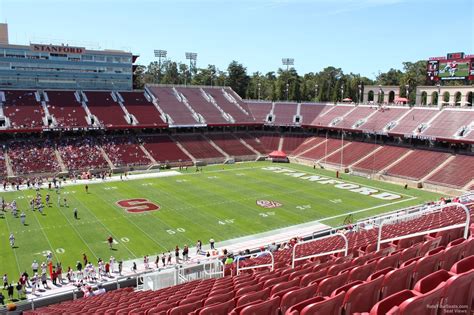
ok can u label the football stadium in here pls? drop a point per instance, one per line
(172, 189)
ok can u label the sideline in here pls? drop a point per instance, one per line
(93, 181)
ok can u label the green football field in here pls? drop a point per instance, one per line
(220, 202)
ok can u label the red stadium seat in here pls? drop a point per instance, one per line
(331, 305)
(219, 298)
(459, 292)
(185, 309)
(453, 253)
(329, 284)
(397, 280)
(269, 307)
(464, 265)
(362, 297)
(216, 309)
(296, 296)
(254, 296)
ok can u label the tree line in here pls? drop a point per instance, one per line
(328, 85)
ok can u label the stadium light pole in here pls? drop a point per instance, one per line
(360, 94)
(287, 92)
(439, 92)
(259, 86)
(379, 99)
(342, 147)
(316, 92)
(407, 92)
(287, 62)
(342, 93)
(192, 57)
(160, 53)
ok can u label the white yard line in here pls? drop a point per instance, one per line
(99, 181)
(13, 249)
(46, 236)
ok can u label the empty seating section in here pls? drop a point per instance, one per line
(366, 281)
(230, 107)
(413, 120)
(270, 141)
(253, 142)
(308, 144)
(124, 151)
(383, 117)
(418, 164)
(310, 111)
(30, 157)
(448, 123)
(351, 153)
(23, 110)
(202, 106)
(144, 111)
(284, 113)
(328, 116)
(457, 173)
(164, 150)
(66, 110)
(108, 111)
(380, 159)
(198, 147)
(260, 110)
(323, 150)
(230, 145)
(356, 117)
(171, 105)
(81, 154)
(291, 142)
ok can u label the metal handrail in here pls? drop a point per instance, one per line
(440, 207)
(345, 249)
(272, 265)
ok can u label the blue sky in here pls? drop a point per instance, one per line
(360, 36)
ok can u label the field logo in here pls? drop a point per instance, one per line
(268, 204)
(137, 205)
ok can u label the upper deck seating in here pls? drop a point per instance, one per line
(336, 111)
(108, 111)
(201, 105)
(144, 111)
(284, 114)
(67, 111)
(23, 110)
(171, 105)
(260, 110)
(231, 103)
(410, 123)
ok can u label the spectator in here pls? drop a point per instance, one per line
(212, 242)
(10, 290)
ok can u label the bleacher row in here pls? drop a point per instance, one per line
(86, 153)
(426, 274)
(168, 106)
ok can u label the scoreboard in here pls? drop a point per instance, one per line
(455, 66)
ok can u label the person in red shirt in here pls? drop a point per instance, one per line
(107, 269)
(111, 241)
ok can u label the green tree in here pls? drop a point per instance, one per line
(139, 77)
(237, 78)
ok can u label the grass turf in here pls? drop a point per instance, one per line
(218, 203)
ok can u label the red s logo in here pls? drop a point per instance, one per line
(137, 205)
